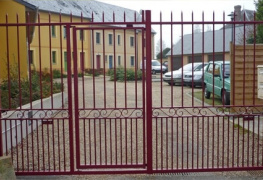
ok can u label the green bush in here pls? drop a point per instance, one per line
(119, 74)
(26, 90)
(95, 72)
(56, 73)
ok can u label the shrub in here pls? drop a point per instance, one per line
(20, 92)
(95, 72)
(131, 75)
(56, 73)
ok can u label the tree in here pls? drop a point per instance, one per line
(258, 37)
(159, 48)
(259, 17)
(164, 53)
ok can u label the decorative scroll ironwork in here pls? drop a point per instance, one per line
(206, 111)
(34, 114)
(111, 113)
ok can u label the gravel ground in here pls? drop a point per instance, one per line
(117, 136)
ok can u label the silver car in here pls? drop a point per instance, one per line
(194, 78)
(176, 77)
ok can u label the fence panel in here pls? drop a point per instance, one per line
(78, 99)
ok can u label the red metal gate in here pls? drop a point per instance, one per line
(110, 115)
(103, 124)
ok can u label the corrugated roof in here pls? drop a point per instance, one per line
(217, 42)
(86, 7)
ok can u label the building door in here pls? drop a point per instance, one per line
(110, 62)
(98, 61)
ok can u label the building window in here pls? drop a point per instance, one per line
(110, 61)
(110, 39)
(132, 60)
(119, 60)
(132, 41)
(119, 40)
(65, 32)
(53, 31)
(81, 35)
(54, 57)
(31, 56)
(97, 38)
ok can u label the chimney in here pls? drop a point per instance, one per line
(237, 11)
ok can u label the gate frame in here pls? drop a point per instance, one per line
(149, 92)
(148, 96)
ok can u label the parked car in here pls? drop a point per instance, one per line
(156, 67)
(194, 78)
(217, 80)
(175, 77)
(165, 64)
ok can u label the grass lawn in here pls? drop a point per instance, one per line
(216, 99)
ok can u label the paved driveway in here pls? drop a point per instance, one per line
(111, 130)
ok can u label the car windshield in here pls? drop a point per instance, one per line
(226, 70)
(199, 67)
(155, 63)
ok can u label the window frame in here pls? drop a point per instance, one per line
(64, 32)
(52, 56)
(110, 38)
(119, 39)
(119, 60)
(53, 31)
(131, 41)
(98, 37)
(132, 61)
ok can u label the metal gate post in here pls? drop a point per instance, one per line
(149, 91)
(1, 138)
(70, 108)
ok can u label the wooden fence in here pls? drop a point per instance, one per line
(244, 78)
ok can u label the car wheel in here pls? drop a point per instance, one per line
(207, 93)
(153, 71)
(171, 84)
(224, 98)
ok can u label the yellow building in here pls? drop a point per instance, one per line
(44, 47)
(96, 47)
(13, 44)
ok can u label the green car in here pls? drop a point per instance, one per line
(217, 80)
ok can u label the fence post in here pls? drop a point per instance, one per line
(1, 138)
(70, 108)
(149, 91)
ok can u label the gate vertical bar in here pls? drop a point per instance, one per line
(70, 109)
(76, 90)
(149, 91)
(1, 138)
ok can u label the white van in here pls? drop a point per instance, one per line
(156, 67)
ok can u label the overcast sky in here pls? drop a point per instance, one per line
(185, 6)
